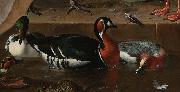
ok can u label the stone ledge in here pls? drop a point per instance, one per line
(58, 15)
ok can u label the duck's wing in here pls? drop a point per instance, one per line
(76, 46)
(135, 48)
(40, 43)
(66, 46)
(77, 50)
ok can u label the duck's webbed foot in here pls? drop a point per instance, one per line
(175, 16)
(161, 12)
(34, 10)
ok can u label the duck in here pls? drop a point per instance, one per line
(67, 51)
(147, 54)
(18, 46)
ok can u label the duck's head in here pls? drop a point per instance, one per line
(22, 27)
(101, 25)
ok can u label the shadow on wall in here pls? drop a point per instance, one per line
(5, 8)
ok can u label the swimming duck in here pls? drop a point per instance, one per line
(17, 45)
(67, 51)
(150, 55)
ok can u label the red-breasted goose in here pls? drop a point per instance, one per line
(67, 51)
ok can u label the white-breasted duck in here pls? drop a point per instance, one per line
(69, 51)
(17, 45)
(150, 55)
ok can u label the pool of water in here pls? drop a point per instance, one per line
(125, 80)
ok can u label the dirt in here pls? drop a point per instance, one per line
(55, 12)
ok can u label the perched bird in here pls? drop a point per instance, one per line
(147, 54)
(133, 19)
(67, 51)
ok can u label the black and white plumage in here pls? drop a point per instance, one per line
(19, 49)
(67, 51)
(133, 19)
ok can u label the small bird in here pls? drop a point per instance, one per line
(133, 19)
(67, 51)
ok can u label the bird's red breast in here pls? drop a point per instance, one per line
(110, 53)
(155, 62)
